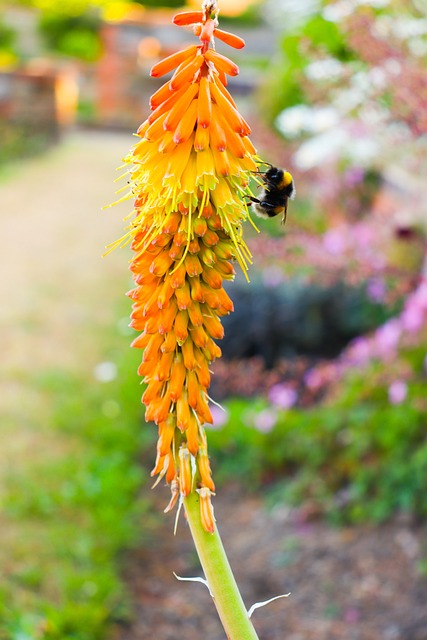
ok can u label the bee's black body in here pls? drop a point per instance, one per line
(278, 188)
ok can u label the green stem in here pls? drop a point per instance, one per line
(226, 595)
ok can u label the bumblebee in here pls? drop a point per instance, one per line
(278, 188)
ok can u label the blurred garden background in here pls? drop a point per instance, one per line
(320, 450)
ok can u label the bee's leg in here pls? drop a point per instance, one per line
(253, 199)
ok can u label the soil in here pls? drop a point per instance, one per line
(358, 583)
(352, 583)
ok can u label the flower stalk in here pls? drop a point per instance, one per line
(220, 578)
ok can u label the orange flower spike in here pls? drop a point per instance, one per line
(185, 475)
(173, 61)
(206, 510)
(229, 38)
(204, 103)
(222, 63)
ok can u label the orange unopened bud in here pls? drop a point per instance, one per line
(172, 61)
(202, 369)
(195, 314)
(185, 127)
(182, 411)
(229, 38)
(228, 111)
(199, 227)
(181, 326)
(203, 409)
(183, 296)
(201, 139)
(186, 72)
(196, 290)
(152, 391)
(210, 238)
(163, 368)
(161, 264)
(177, 277)
(193, 389)
(212, 277)
(180, 107)
(166, 434)
(176, 382)
(169, 343)
(186, 18)
(205, 468)
(222, 63)
(204, 104)
(188, 355)
(192, 433)
(192, 265)
(185, 475)
(166, 320)
(206, 509)
(199, 337)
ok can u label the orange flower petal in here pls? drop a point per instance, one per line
(169, 343)
(212, 278)
(163, 368)
(195, 314)
(193, 389)
(222, 63)
(193, 266)
(192, 433)
(172, 61)
(217, 135)
(156, 130)
(229, 38)
(183, 296)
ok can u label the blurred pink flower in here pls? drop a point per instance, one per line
(386, 338)
(359, 351)
(376, 289)
(283, 396)
(335, 241)
(397, 392)
(219, 415)
(265, 420)
(412, 316)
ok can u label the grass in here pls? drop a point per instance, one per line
(71, 505)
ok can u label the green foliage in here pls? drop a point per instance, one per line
(74, 511)
(358, 458)
(315, 38)
(75, 36)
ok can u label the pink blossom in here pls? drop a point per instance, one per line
(376, 290)
(386, 338)
(359, 351)
(335, 242)
(219, 415)
(283, 396)
(397, 392)
(265, 420)
(412, 317)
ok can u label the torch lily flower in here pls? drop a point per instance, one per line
(189, 176)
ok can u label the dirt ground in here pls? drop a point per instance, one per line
(356, 583)
(353, 583)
